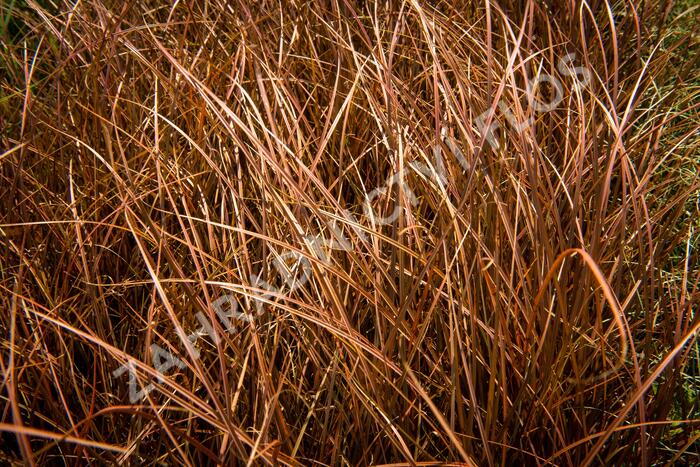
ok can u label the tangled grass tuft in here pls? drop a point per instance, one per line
(458, 232)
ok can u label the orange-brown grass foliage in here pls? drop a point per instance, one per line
(534, 301)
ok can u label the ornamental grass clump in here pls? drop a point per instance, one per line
(349, 233)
